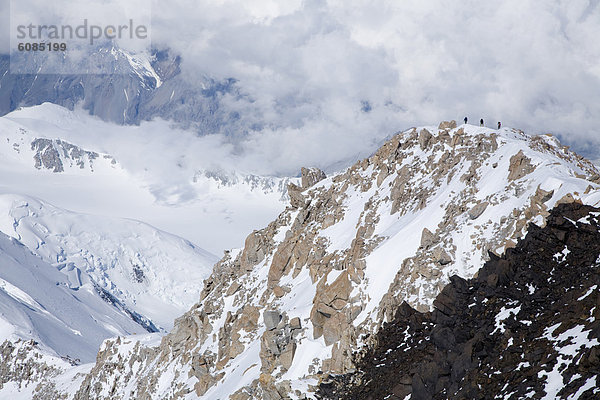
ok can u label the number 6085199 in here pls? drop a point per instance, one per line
(42, 46)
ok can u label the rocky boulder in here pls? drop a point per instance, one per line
(310, 176)
(478, 209)
(427, 238)
(424, 138)
(520, 165)
(297, 199)
(271, 319)
(447, 125)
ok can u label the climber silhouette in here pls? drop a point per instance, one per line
(465, 120)
(499, 125)
(481, 122)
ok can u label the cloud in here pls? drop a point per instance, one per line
(309, 68)
(326, 81)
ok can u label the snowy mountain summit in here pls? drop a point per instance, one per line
(316, 284)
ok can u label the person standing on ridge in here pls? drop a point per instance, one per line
(481, 122)
(499, 125)
(465, 120)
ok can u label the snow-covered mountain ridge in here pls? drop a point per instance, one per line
(307, 290)
(119, 86)
(78, 162)
(528, 326)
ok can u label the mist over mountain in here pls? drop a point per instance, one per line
(325, 72)
(280, 76)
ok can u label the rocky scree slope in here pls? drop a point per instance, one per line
(315, 285)
(528, 326)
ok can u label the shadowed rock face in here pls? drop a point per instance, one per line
(527, 325)
(126, 94)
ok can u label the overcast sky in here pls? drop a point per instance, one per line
(313, 67)
(331, 79)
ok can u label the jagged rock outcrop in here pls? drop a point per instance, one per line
(424, 138)
(339, 261)
(310, 176)
(527, 326)
(520, 166)
(24, 365)
(428, 239)
(297, 199)
(53, 154)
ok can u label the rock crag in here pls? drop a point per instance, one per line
(527, 327)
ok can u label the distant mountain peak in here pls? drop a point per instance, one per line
(120, 86)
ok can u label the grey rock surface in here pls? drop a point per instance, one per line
(126, 94)
(477, 210)
(271, 319)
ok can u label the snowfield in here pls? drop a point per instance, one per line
(82, 197)
(186, 186)
(155, 274)
(37, 302)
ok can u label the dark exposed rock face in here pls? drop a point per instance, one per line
(46, 155)
(527, 326)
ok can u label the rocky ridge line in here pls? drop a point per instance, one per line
(316, 284)
(408, 176)
(527, 326)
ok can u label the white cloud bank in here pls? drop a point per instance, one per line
(311, 66)
(328, 80)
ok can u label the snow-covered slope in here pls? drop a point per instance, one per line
(38, 302)
(138, 172)
(80, 209)
(152, 273)
(312, 287)
(528, 326)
